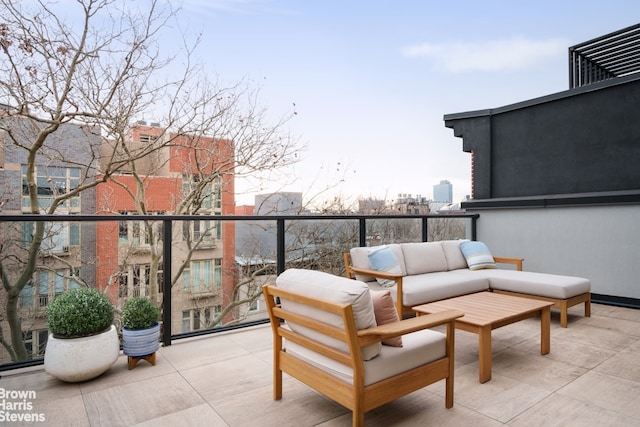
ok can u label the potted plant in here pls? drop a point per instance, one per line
(140, 330)
(83, 342)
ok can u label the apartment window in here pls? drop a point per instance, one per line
(198, 277)
(217, 262)
(134, 280)
(59, 236)
(46, 285)
(147, 138)
(201, 231)
(135, 233)
(35, 342)
(186, 321)
(52, 182)
(192, 320)
(199, 185)
(254, 306)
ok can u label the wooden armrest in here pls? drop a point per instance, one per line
(376, 273)
(509, 260)
(406, 326)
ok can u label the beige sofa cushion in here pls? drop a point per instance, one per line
(425, 257)
(453, 254)
(418, 349)
(423, 288)
(527, 282)
(316, 284)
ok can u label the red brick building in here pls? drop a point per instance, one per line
(179, 174)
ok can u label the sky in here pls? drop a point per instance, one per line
(372, 80)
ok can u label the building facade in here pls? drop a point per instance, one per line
(183, 177)
(64, 260)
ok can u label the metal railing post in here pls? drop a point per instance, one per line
(280, 248)
(166, 282)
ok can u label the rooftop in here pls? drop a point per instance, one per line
(590, 377)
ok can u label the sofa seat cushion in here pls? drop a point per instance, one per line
(325, 286)
(429, 287)
(532, 283)
(417, 349)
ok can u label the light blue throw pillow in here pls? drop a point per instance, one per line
(382, 258)
(477, 255)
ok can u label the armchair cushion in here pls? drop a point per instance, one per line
(477, 255)
(324, 286)
(419, 348)
(382, 258)
(385, 312)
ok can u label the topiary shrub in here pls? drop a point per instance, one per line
(79, 312)
(139, 313)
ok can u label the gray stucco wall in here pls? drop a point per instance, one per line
(601, 243)
(577, 141)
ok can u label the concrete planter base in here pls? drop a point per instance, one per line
(81, 359)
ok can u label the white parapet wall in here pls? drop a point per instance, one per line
(601, 243)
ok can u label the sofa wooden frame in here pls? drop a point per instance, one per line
(355, 396)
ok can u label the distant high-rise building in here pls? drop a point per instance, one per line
(443, 192)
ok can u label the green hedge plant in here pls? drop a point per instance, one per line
(139, 313)
(79, 312)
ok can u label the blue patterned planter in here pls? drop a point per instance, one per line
(141, 342)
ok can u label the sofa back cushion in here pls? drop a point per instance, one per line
(325, 286)
(425, 257)
(360, 259)
(453, 254)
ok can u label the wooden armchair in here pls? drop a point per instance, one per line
(325, 349)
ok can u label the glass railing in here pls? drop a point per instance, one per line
(205, 273)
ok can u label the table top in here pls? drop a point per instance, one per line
(486, 308)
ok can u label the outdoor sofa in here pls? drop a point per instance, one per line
(419, 273)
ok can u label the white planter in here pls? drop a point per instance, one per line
(141, 342)
(81, 359)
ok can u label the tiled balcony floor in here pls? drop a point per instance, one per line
(591, 377)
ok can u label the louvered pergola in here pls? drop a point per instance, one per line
(613, 55)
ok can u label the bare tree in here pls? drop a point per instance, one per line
(100, 71)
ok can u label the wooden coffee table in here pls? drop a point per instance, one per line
(485, 311)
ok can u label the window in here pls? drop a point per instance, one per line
(200, 277)
(35, 342)
(202, 188)
(46, 285)
(192, 319)
(147, 138)
(134, 281)
(135, 232)
(254, 306)
(218, 272)
(59, 237)
(186, 321)
(52, 182)
(200, 231)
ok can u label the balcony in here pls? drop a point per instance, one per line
(590, 377)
